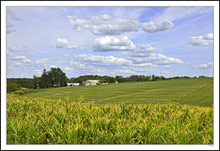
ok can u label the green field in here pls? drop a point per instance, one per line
(183, 91)
(176, 111)
(44, 121)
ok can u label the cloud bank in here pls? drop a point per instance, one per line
(201, 40)
(103, 25)
(146, 54)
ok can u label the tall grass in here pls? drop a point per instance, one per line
(45, 121)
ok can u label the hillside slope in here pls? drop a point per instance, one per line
(184, 91)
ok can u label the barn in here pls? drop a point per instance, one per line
(91, 82)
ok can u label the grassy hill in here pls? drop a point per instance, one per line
(60, 116)
(196, 91)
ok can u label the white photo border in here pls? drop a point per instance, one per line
(215, 4)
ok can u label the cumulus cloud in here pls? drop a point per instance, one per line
(103, 25)
(204, 66)
(68, 69)
(146, 53)
(159, 59)
(22, 58)
(201, 40)
(111, 43)
(153, 27)
(89, 59)
(77, 64)
(63, 43)
(142, 51)
(42, 60)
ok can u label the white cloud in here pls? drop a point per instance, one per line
(127, 71)
(146, 54)
(98, 60)
(201, 40)
(42, 60)
(159, 59)
(145, 65)
(16, 48)
(37, 71)
(17, 64)
(68, 69)
(204, 66)
(72, 46)
(77, 64)
(111, 43)
(103, 25)
(62, 43)
(142, 51)
(22, 58)
(53, 66)
(153, 27)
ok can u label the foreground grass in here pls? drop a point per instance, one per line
(183, 91)
(44, 121)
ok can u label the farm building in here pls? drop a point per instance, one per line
(90, 82)
(72, 84)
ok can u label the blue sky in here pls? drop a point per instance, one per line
(173, 41)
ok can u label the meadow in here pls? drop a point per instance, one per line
(176, 111)
(198, 91)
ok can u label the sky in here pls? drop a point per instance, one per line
(167, 41)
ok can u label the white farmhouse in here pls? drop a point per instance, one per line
(72, 84)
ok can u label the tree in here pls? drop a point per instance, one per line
(119, 79)
(54, 77)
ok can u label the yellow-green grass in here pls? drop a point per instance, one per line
(47, 121)
(196, 91)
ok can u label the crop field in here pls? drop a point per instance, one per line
(45, 121)
(176, 111)
(183, 91)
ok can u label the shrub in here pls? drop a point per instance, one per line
(20, 92)
(12, 87)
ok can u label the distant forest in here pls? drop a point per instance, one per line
(55, 77)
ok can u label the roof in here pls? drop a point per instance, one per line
(93, 80)
(72, 83)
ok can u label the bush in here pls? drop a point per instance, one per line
(20, 92)
(12, 87)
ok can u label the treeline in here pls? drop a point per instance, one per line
(55, 77)
(109, 79)
(102, 79)
(14, 84)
